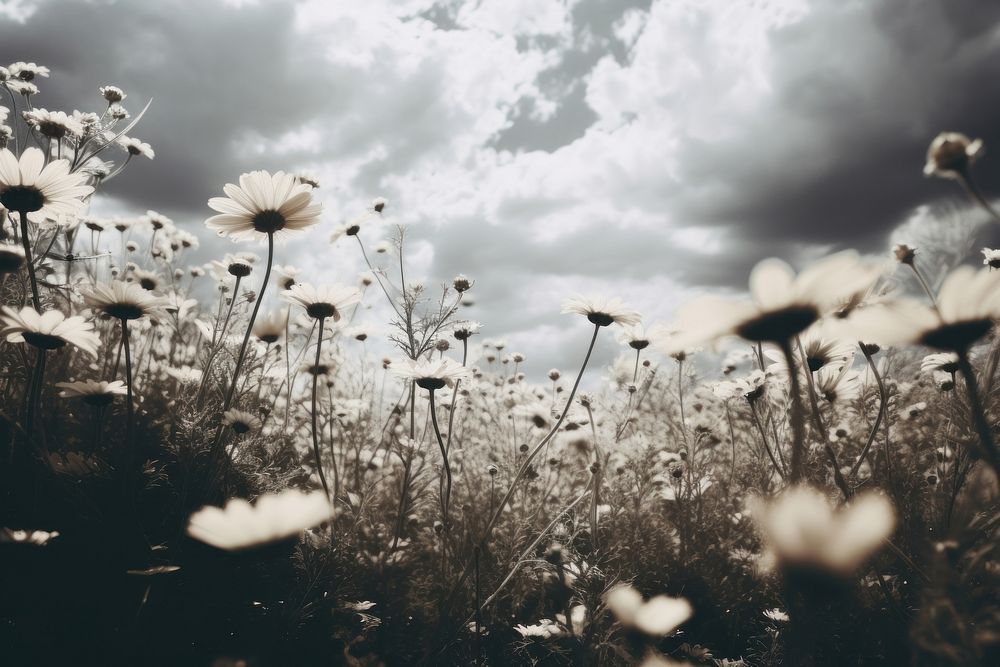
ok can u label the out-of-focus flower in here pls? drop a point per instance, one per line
(951, 154)
(430, 374)
(49, 330)
(967, 304)
(271, 328)
(657, 617)
(241, 422)
(272, 518)
(991, 258)
(802, 529)
(11, 258)
(38, 538)
(783, 304)
(93, 392)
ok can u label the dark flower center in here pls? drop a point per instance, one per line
(98, 400)
(147, 284)
(123, 311)
(239, 270)
(430, 384)
(268, 222)
(638, 344)
(10, 261)
(43, 341)
(321, 311)
(957, 336)
(269, 338)
(778, 326)
(601, 319)
(240, 427)
(815, 363)
(22, 198)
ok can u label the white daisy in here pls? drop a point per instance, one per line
(657, 617)
(125, 301)
(602, 311)
(272, 518)
(430, 374)
(264, 203)
(323, 301)
(48, 331)
(93, 392)
(136, 147)
(40, 191)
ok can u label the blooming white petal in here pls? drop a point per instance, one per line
(273, 517)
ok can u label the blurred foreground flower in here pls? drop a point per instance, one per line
(658, 616)
(272, 518)
(802, 529)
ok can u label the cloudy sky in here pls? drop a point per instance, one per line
(646, 149)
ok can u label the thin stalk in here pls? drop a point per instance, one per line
(798, 422)
(523, 470)
(446, 496)
(26, 244)
(128, 386)
(883, 403)
(315, 430)
(978, 414)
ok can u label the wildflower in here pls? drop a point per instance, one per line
(904, 254)
(53, 124)
(967, 304)
(38, 538)
(430, 374)
(241, 422)
(951, 154)
(783, 304)
(93, 392)
(285, 276)
(991, 258)
(263, 203)
(25, 88)
(803, 530)
(838, 383)
(465, 330)
(602, 311)
(776, 615)
(147, 280)
(39, 191)
(272, 518)
(461, 283)
(48, 331)
(271, 328)
(638, 337)
(28, 71)
(136, 147)
(113, 94)
(544, 629)
(657, 617)
(324, 301)
(124, 301)
(554, 374)
(940, 361)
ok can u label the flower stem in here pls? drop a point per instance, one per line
(883, 404)
(978, 414)
(523, 470)
(798, 423)
(26, 244)
(315, 430)
(128, 385)
(34, 392)
(446, 496)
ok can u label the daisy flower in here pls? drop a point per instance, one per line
(639, 337)
(271, 328)
(323, 301)
(602, 311)
(113, 94)
(967, 304)
(136, 147)
(939, 361)
(272, 518)
(48, 331)
(951, 154)
(263, 203)
(782, 305)
(802, 529)
(465, 330)
(430, 374)
(838, 383)
(991, 258)
(53, 124)
(657, 617)
(93, 392)
(241, 422)
(125, 301)
(39, 191)
(28, 71)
